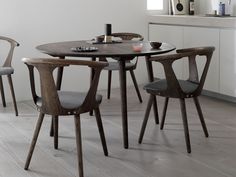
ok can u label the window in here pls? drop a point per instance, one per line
(154, 4)
(155, 7)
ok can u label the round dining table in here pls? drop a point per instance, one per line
(122, 51)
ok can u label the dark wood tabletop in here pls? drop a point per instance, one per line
(123, 49)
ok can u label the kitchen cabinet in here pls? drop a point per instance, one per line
(228, 62)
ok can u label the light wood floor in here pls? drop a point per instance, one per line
(162, 154)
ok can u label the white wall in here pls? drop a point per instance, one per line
(34, 22)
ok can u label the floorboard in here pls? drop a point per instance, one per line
(162, 153)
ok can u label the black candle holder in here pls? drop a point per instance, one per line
(107, 29)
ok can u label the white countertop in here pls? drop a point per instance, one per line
(193, 20)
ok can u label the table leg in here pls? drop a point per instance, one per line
(151, 79)
(123, 95)
(91, 79)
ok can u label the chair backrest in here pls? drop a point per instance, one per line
(49, 94)
(173, 86)
(128, 36)
(13, 44)
(124, 36)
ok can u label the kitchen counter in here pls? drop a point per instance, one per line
(195, 20)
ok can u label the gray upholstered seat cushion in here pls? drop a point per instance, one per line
(115, 66)
(161, 85)
(6, 70)
(71, 100)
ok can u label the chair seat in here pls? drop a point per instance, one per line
(161, 85)
(6, 70)
(71, 100)
(115, 66)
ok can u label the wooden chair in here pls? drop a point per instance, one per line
(171, 87)
(56, 103)
(8, 70)
(114, 66)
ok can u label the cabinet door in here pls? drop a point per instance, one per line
(228, 62)
(169, 34)
(196, 36)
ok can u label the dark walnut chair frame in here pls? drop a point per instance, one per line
(129, 66)
(56, 103)
(8, 70)
(171, 87)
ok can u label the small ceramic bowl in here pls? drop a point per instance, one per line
(155, 45)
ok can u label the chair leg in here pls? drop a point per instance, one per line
(199, 110)
(136, 85)
(109, 84)
(149, 105)
(79, 145)
(34, 140)
(55, 130)
(12, 93)
(2, 92)
(164, 113)
(101, 131)
(185, 124)
(155, 110)
(52, 127)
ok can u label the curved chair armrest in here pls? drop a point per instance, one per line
(60, 63)
(13, 44)
(171, 57)
(198, 50)
(9, 40)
